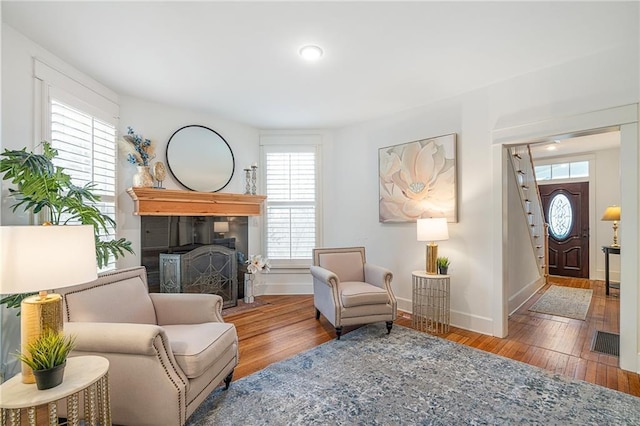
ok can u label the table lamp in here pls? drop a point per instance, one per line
(612, 213)
(221, 228)
(432, 230)
(33, 258)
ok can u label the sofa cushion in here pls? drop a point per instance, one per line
(355, 293)
(197, 346)
(126, 300)
(348, 266)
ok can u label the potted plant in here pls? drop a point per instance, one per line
(47, 357)
(39, 186)
(443, 265)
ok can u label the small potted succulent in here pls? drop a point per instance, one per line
(443, 265)
(47, 357)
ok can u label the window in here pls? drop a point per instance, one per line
(291, 183)
(576, 169)
(80, 125)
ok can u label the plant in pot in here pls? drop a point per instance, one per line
(443, 265)
(47, 357)
(41, 187)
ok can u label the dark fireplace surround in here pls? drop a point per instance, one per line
(180, 246)
(166, 240)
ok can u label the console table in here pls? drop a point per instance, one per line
(607, 251)
(87, 375)
(431, 300)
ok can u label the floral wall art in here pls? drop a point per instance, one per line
(418, 180)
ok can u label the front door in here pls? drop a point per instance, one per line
(566, 210)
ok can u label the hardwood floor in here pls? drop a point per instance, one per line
(286, 325)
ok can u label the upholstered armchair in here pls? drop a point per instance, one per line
(349, 291)
(166, 352)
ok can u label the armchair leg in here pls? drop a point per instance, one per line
(317, 313)
(227, 380)
(389, 325)
(338, 332)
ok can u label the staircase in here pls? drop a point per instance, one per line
(532, 205)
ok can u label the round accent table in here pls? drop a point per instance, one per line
(431, 300)
(83, 374)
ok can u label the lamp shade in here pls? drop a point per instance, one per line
(611, 213)
(34, 258)
(221, 227)
(433, 229)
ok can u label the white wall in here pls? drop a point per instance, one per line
(584, 84)
(158, 122)
(607, 176)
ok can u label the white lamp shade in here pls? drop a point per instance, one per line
(34, 258)
(433, 229)
(221, 227)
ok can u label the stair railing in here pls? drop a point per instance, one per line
(532, 205)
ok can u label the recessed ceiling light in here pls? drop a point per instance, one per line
(311, 52)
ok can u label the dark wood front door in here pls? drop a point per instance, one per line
(566, 210)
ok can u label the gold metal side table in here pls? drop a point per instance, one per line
(86, 375)
(431, 302)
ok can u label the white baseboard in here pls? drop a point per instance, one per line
(469, 322)
(521, 297)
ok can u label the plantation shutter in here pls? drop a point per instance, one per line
(291, 210)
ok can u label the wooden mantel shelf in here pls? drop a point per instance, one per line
(173, 202)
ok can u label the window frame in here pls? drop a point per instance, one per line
(292, 142)
(79, 92)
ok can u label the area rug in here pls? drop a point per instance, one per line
(566, 302)
(409, 378)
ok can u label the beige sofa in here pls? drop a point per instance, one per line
(167, 352)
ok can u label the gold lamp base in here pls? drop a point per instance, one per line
(432, 259)
(38, 313)
(615, 234)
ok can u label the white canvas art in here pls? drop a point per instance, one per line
(418, 180)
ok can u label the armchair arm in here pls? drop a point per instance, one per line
(182, 308)
(378, 276)
(324, 275)
(122, 338)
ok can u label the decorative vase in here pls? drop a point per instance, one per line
(143, 178)
(248, 287)
(49, 378)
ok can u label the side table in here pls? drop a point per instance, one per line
(607, 251)
(431, 302)
(87, 375)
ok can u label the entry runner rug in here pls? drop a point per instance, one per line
(410, 378)
(566, 302)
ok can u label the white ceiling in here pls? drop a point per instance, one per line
(238, 60)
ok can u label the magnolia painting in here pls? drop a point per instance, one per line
(418, 180)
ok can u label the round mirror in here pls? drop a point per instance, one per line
(200, 159)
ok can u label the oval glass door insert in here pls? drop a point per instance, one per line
(560, 216)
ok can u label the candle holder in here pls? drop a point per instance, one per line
(253, 179)
(247, 178)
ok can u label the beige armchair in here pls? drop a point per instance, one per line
(166, 352)
(348, 291)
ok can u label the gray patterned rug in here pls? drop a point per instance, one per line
(408, 378)
(566, 302)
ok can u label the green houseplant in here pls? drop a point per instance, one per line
(443, 265)
(40, 186)
(47, 357)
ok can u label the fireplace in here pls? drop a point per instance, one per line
(209, 269)
(193, 241)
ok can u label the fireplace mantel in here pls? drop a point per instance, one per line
(174, 202)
